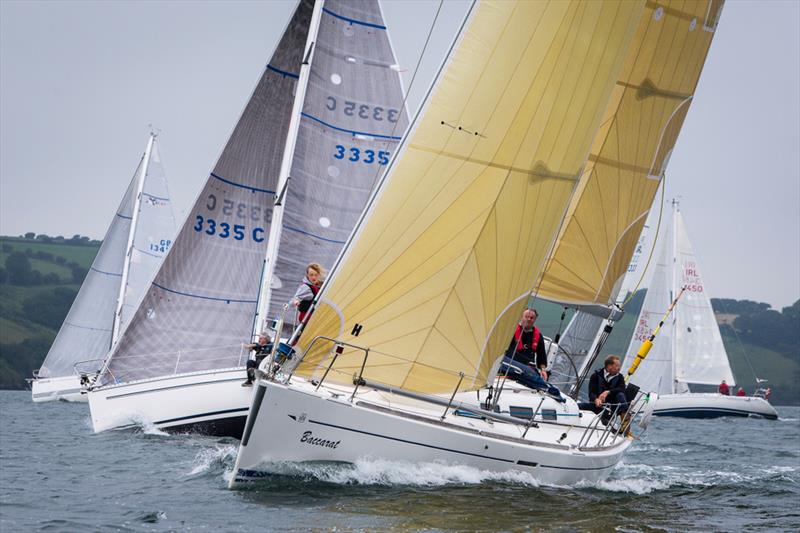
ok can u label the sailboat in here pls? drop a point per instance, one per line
(290, 184)
(408, 329)
(689, 349)
(139, 236)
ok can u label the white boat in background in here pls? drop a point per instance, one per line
(136, 241)
(328, 110)
(689, 349)
(409, 328)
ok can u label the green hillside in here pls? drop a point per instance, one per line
(37, 287)
(38, 284)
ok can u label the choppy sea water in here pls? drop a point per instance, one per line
(702, 475)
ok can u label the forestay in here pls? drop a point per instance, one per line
(86, 333)
(440, 269)
(700, 355)
(352, 119)
(631, 151)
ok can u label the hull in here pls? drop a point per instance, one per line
(211, 403)
(294, 423)
(66, 388)
(699, 405)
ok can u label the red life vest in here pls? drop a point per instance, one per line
(518, 335)
(305, 305)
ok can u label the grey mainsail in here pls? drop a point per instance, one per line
(352, 118)
(202, 304)
(87, 331)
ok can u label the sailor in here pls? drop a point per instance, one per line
(307, 290)
(261, 349)
(526, 359)
(607, 387)
(724, 389)
(740, 392)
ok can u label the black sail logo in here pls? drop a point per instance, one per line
(308, 438)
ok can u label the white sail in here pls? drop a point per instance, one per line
(86, 333)
(152, 236)
(655, 374)
(700, 355)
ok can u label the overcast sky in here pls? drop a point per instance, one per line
(81, 81)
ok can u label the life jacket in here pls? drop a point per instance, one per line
(305, 305)
(518, 335)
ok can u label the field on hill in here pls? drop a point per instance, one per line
(31, 314)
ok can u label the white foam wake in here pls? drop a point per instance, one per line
(372, 471)
(219, 457)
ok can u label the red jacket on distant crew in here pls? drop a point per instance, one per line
(724, 389)
(740, 392)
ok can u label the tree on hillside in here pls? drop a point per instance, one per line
(44, 238)
(49, 308)
(3, 275)
(738, 307)
(19, 269)
(78, 273)
(30, 235)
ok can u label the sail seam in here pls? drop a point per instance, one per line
(313, 235)
(123, 216)
(352, 21)
(352, 132)
(85, 327)
(154, 197)
(229, 182)
(226, 300)
(104, 272)
(283, 73)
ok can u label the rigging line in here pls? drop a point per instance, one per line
(739, 340)
(652, 249)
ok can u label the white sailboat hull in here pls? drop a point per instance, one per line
(294, 423)
(212, 403)
(67, 388)
(711, 405)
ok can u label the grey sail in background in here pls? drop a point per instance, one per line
(200, 306)
(86, 334)
(574, 349)
(352, 119)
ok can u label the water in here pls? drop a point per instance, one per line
(705, 475)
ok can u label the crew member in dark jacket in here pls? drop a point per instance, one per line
(607, 387)
(262, 349)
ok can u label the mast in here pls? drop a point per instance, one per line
(276, 226)
(674, 288)
(126, 266)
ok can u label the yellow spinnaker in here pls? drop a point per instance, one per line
(441, 268)
(631, 151)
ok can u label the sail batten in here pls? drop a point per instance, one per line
(474, 198)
